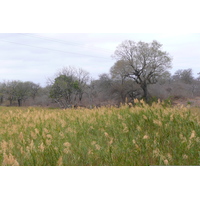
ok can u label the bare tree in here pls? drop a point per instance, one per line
(145, 62)
(185, 76)
(91, 92)
(2, 92)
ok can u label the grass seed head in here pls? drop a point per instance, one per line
(66, 150)
(22, 150)
(9, 160)
(37, 131)
(136, 101)
(146, 137)
(41, 147)
(66, 144)
(60, 161)
(93, 142)
(138, 128)
(10, 143)
(156, 152)
(49, 136)
(125, 129)
(34, 135)
(185, 157)
(193, 135)
(119, 116)
(166, 162)
(169, 156)
(97, 147)
(21, 136)
(48, 142)
(157, 122)
(144, 117)
(4, 145)
(90, 152)
(106, 134)
(61, 135)
(32, 146)
(111, 141)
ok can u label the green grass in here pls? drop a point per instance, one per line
(138, 135)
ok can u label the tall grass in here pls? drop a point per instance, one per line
(130, 135)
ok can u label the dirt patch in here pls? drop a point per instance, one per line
(187, 101)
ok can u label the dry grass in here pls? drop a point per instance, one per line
(130, 135)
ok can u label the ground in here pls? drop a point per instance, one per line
(188, 101)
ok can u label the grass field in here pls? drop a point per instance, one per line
(139, 135)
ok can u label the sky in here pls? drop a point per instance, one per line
(38, 56)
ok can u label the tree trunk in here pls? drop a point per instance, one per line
(19, 102)
(1, 101)
(144, 87)
(10, 101)
(123, 97)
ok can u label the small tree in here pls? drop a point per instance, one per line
(22, 91)
(34, 89)
(19, 91)
(79, 75)
(68, 87)
(145, 62)
(104, 87)
(184, 75)
(10, 91)
(91, 92)
(63, 89)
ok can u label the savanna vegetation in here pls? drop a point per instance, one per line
(116, 119)
(141, 71)
(138, 134)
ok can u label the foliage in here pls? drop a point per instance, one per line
(19, 91)
(184, 75)
(63, 89)
(144, 62)
(68, 86)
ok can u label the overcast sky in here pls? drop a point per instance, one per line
(36, 57)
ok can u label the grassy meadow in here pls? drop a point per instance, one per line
(138, 135)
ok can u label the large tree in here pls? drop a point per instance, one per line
(144, 62)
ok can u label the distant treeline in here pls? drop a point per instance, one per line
(140, 71)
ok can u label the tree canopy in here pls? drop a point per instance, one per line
(143, 62)
(68, 86)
